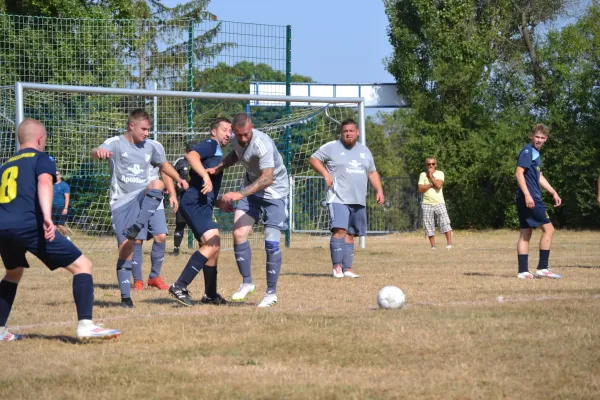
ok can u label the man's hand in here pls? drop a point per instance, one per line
(173, 202)
(557, 200)
(380, 198)
(231, 197)
(207, 186)
(49, 230)
(529, 203)
(211, 171)
(65, 211)
(183, 184)
(103, 153)
(224, 205)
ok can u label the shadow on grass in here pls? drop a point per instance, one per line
(195, 303)
(106, 286)
(60, 338)
(486, 275)
(308, 274)
(106, 304)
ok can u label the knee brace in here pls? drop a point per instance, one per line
(271, 247)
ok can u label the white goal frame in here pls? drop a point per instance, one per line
(20, 87)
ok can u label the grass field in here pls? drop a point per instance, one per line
(455, 339)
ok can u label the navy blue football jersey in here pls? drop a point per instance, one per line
(19, 205)
(531, 160)
(210, 156)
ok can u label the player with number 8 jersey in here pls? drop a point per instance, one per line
(26, 189)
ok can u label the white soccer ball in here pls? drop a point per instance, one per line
(391, 297)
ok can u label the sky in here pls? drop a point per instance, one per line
(333, 41)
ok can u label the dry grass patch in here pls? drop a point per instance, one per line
(326, 338)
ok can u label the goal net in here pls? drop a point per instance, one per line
(77, 121)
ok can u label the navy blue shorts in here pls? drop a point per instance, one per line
(531, 217)
(57, 216)
(15, 242)
(198, 215)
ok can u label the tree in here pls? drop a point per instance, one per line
(474, 74)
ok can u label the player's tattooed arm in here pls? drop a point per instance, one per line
(264, 180)
(229, 160)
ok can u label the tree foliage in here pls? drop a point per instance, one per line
(478, 75)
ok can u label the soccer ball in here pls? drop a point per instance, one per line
(391, 297)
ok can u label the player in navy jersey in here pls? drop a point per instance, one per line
(531, 208)
(26, 191)
(181, 165)
(197, 208)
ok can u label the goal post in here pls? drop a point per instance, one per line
(79, 118)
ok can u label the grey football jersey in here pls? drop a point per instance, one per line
(155, 175)
(262, 153)
(130, 167)
(349, 169)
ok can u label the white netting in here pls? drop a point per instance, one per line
(77, 123)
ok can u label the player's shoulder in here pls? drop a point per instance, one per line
(527, 149)
(261, 142)
(113, 139)
(331, 145)
(156, 145)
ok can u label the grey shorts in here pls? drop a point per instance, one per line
(350, 217)
(274, 211)
(157, 224)
(435, 213)
(125, 216)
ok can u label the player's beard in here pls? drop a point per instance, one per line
(349, 142)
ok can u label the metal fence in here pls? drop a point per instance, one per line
(400, 213)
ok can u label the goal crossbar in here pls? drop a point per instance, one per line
(21, 87)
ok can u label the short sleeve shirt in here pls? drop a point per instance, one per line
(130, 167)
(531, 160)
(432, 195)
(349, 168)
(261, 153)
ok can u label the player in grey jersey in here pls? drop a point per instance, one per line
(265, 190)
(346, 166)
(133, 197)
(157, 230)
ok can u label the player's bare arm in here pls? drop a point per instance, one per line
(45, 187)
(196, 164)
(547, 187)
(263, 181)
(67, 201)
(171, 190)
(520, 175)
(100, 153)
(320, 169)
(229, 160)
(170, 171)
(376, 183)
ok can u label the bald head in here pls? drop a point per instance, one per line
(32, 134)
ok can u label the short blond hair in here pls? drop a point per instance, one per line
(540, 128)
